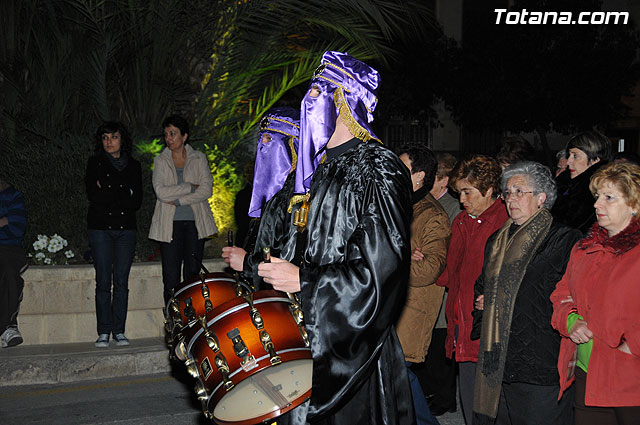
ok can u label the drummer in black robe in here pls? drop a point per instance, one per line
(273, 184)
(354, 276)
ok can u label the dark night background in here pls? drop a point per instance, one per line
(451, 78)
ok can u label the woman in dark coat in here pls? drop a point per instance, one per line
(114, 187)
(516, 377)
(587, 152)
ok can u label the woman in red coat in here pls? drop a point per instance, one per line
(478, 181)
(597, 308)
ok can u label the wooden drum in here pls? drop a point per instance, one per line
(251, 357)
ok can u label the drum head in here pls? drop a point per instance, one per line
(275, 389)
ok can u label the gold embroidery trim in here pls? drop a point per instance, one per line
(347, 118)
(294, 155)
(273, 130)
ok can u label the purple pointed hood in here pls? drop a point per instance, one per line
(341, 87)
(275, 155)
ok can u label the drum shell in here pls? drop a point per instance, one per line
(221, 289)
(273, 306)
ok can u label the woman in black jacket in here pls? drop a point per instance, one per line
(114, 187)
(516, 378)
(586, 152)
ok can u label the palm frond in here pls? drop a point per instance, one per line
(275, 46)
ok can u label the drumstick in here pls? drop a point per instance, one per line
(266, 254)
(272, 391)
(230, 238)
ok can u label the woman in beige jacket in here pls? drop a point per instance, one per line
(182, 218)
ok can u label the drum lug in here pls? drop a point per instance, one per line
(205, 294)
(256, 318)
(180, 350)
(304, 335)
(206, 412)
(191, 367)
(189, 311)
(223, 369)
(248, 362)
(201, 392)
(297, 314)
(211, 337)
(298, 317)
(175, 308)
(265, 339)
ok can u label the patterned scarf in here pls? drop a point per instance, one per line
(506, 266)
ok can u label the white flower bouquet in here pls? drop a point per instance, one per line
(49, 250)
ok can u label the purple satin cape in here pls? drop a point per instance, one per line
(274, 159)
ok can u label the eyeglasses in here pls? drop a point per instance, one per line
(517, 193)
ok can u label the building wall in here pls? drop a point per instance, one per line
(59, 303)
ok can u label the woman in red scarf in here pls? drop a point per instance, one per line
(596, 307)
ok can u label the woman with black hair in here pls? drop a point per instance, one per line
(586, 153)
(182, 217)
(114, 186)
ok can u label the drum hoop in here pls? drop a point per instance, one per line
(258, 360)
(222, 279)
(233, 310)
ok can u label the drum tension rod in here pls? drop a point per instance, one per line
(223, 369)
(205, 289)
(298, 317)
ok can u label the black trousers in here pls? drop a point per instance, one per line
(183, 253)
(12, 262)
(591, 415)
(437, 375)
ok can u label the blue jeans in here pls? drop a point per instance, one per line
(423, 413)
(184, 252)
(112, 252)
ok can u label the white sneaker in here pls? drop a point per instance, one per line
(102, 341)
(11, 337)
(120, 339)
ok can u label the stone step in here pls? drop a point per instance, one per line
(59, 363)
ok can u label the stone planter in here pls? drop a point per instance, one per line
(59, 303)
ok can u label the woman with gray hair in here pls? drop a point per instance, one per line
(516, 378)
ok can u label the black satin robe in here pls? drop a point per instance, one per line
(353, 287)
(276, 232)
